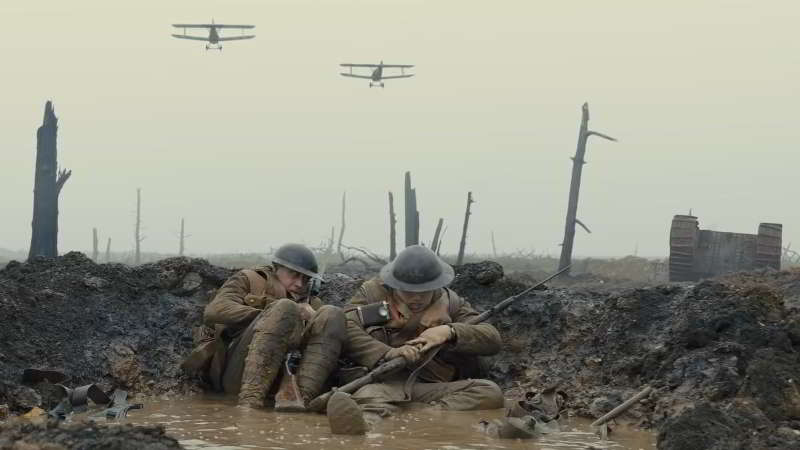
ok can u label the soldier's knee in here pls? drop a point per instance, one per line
(330, 318)
(490, 393)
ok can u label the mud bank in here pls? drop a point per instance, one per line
(722, 354)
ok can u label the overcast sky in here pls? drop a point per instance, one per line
(254, 145)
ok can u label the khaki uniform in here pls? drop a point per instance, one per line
(447, 379)
(254, 324)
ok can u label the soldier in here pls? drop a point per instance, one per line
(258, 316)
(423, 314)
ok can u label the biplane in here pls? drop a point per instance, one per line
(213, 37)
(377, 76)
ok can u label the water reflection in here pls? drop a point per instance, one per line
(217, 423)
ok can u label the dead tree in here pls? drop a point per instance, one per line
(435, 241)
(463, 244)
(137, 233)
(94, 245)
(574, 188)
(439, 244)
(494, 247)
(108, 251)
(47, 185)
(412, 214)
(183, 239)
(341, 230)
(392, 229)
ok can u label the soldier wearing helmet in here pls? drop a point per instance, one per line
(259, 315)
(422, 314)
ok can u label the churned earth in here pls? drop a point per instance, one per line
(721, 355)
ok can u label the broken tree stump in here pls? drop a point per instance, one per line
(463, 244)
(94, 245)
(435, 241)
(574, 188)
(392, 229)
(411, 213)
(47, 185)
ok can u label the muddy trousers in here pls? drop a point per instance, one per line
(256, 356)
(384, 399)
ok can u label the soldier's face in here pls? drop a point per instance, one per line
(416, 301)
(294, 282)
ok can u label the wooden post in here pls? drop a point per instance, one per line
(181, 247)
(94, 244)
(574, 188)
(411, 213)
(137, 236)
(47, 184)
(494, 247)
(392, 229)
(341, 230)
(461, 247)
(435, 241)
(108, 251)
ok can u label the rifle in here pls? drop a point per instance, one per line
(320, 403)
(288, 397)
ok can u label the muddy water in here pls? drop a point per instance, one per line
(214, 423)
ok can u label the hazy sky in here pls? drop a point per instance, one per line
(254, 145)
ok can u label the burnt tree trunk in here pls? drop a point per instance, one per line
(494, 247)
(137, 233)
(47, 185)
(95, 251)
(341, 230)
(463, 244)
(411, 213)
(435, 241)
(108, 251)
(183, 238)
(574, 188)
(392, 229)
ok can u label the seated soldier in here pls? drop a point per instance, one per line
(423, 314)
(258, 316)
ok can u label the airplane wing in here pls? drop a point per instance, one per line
(209, 25)
(235, 26)
(195, 38)
(352, 75)
(192, 25)
(404, 66)
(358, 65)
(386, 77)
(236, 38)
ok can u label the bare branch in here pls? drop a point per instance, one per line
(63, 176)
(367, 253)
(604, 136)
(578, 221)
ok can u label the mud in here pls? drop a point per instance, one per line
(721, 354)
(55, 436)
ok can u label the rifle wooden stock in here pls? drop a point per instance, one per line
(320, 403)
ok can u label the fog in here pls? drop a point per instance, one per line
(254, 145)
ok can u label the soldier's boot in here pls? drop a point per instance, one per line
(321, 352)
(274, 332)
(345, 416)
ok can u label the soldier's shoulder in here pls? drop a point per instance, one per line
(371, 291)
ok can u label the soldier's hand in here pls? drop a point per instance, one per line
(306, 311)
(409, 352)
(432, 337)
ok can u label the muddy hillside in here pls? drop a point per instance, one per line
(720, 355)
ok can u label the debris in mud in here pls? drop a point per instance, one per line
(58, 436)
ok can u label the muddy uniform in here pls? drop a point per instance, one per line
(255, 325)
(445, 380)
